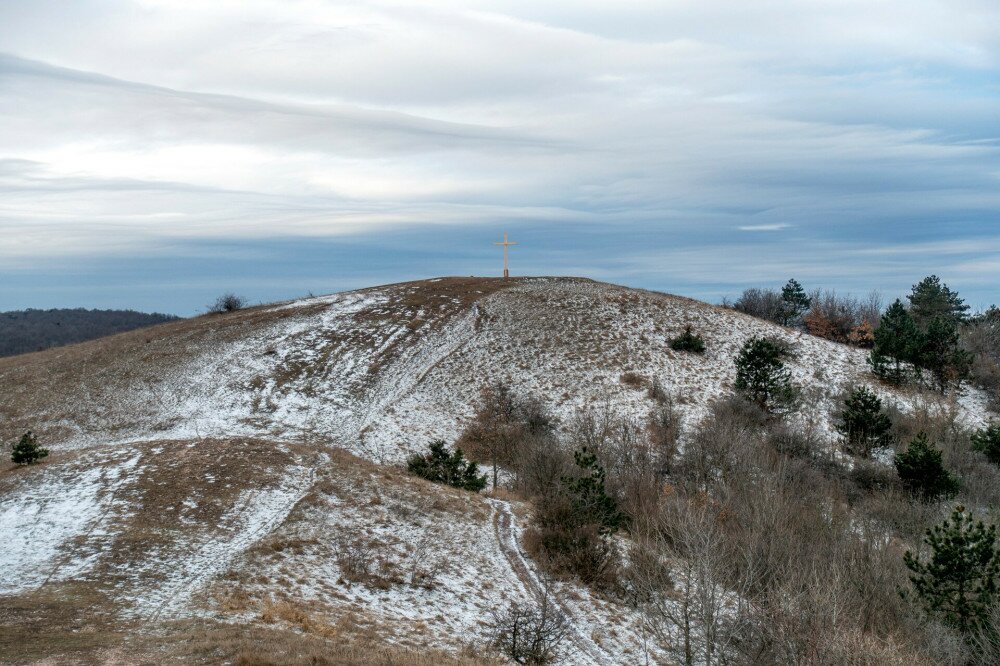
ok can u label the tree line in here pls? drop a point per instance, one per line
(23, 331)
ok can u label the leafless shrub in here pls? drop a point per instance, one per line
(355, 558)
(843, 318)
(541, 463)
(528, 634)
(678, 575)
(503, 422)
(363, 560)
(982, 338)
(566, 545)
(985, 641)
(763, 303)
(228, 302)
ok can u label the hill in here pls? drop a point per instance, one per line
(23, 331)
(233, 473)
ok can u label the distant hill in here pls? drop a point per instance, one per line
(23, 331)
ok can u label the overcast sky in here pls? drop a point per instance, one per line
(154, 153)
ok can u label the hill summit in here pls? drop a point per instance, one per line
(231, 469)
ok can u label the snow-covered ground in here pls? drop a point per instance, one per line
(188, 462)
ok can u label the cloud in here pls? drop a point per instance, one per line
(133, 126)
(764, 227)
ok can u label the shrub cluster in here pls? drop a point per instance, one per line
(27, 451)
(688, 341)
(440, 466)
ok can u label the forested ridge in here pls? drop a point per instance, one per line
(23, 331)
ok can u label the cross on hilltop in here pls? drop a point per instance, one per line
(506, 244)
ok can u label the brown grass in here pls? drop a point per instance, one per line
(267, 646)
(113, 384)
(71, 621)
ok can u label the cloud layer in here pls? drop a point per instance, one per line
(690, 146)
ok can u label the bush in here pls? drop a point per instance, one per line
(922, 472)
(27, 451)
(981, 337)
(451, 469)
(762, 303)
(573, 525)
(761, 375)
(227, 303)
(863, 423)
(528, 634)
(503, 423)
(987, 442)
(688, 341)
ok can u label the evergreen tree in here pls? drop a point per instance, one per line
(863, 423)
(795, 301)
(930, 299)
(959, 581)
(897, 341)
(27, 451)
(761, 374)
(922, 472)
(940, 354)
(987, 442)
(688, 341)
(452, 469)
(591, 502)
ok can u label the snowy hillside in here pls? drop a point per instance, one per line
(218, 469)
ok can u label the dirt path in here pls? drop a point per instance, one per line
(584, 649)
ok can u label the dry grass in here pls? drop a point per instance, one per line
(109, 385)
(70, 621)
(267, 646)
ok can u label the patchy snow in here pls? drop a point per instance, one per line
(42, 517)
(255, 514)
(380, 373)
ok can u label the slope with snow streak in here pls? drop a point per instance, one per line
(47, 510)
(382, 371)
(569, 342)
(189, 474)
(441, 561)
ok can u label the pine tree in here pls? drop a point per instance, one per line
(590, 499)
(922, 472)
(863, 423)
(897, 341)
(27, 451)
(987, 442)
(440, 466)
(940, 354)
(761, 374)
(930, 299)
(795, 301)
(688, 341)
(959, 581)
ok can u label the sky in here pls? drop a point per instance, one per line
(154, 153)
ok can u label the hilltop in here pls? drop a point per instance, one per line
(218, 472)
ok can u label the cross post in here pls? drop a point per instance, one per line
(506, 244)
